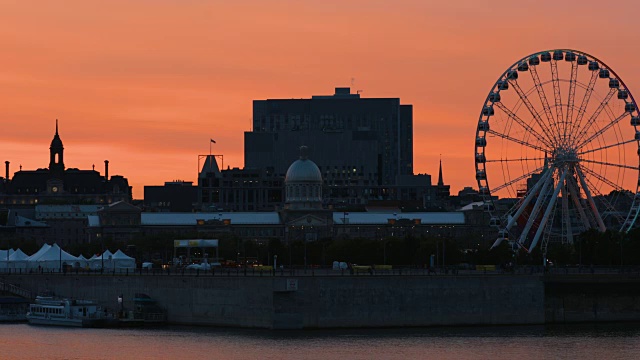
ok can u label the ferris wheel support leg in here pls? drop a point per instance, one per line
(536, 209)
(576, 200)
(547, 212)
(527, 200)
(565, 211)
(592, 203)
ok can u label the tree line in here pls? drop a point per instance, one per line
(589, 248)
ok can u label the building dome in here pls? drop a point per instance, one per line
(303, 183)
(303, 169)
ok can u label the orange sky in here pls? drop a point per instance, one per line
(146, 83)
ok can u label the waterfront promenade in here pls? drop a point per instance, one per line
(324, 298)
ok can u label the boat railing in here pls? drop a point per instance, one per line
(16, 290)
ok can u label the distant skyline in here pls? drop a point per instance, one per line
(146, 84)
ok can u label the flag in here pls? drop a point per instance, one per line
(213, 141)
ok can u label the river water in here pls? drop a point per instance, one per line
(609, 341)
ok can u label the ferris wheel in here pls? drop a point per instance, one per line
(557, 150)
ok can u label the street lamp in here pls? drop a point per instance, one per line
(121, 303)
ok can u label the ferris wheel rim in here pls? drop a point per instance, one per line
(479, 149)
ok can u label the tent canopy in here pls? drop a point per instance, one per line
(18, 255)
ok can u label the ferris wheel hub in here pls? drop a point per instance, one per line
(564, 156)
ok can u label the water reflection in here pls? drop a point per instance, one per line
(588, 341)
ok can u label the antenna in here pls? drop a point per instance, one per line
(353, 80)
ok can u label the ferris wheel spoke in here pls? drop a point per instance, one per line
(592, 203)
(517, 141)
(607, 146)
(514, 160)
(540, 200)
(519, 178)
(609, 164)
(607, 181)
(545, 217)
(595, 115)
(601, 131)
(522, 123)
(633, 214)
(541, 94)
(572, 95)
(576, 125)
(552, 139)
(558, 97)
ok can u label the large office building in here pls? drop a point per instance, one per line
(362, 146)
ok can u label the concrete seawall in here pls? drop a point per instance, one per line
(588, 298)
(315, 302)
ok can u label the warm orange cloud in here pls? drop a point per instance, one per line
(146, 83)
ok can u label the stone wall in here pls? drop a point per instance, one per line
(589, 298)
(315, 302)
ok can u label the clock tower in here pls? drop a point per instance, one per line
(56, 156)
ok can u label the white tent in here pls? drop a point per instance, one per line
(84, 262)
(106, 260)
(38, 253)
(53, 258)
(123, 261)
(18, 260)
(4, 257)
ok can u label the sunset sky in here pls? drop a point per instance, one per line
(146, 83)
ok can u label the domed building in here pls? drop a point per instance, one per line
(303, 215)
(303, 184)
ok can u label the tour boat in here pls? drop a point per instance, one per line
(48, 310)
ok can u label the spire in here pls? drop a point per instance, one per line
(440, 181)
(56, 156)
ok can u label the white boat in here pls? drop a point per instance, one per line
(48, 310)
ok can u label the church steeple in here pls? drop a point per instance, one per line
(56, 156)
(440, 181)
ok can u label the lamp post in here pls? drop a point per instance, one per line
(121, 304)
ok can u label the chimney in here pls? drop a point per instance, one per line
(106, 170)
(6, 168)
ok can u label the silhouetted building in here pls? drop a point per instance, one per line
(174, 196)
(59, 185)
(303, 217)
(237, 189)
(361, 145)
(363, 148)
